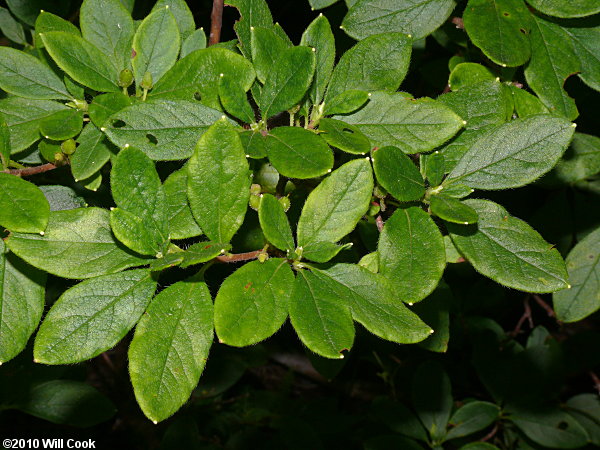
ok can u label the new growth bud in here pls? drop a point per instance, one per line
(126, 78)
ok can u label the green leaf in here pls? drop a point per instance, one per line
(23, 207)
(411, 253)
(508, 250)
(182, 224)
(393, 119)
(62, 125)
(398, 175)
(62, 197)
(585, 408)
(140, 221)
(163, 129)
(275, 224)
(586, 41)
(93, 316)
(92, 153)
(252, 303)
(166, 262)
(525, 149)
(267, 46)
(500, 28)
(28, 10)
(452, 210)
(218, 182)
(433, 167)
(581, 160)
(253, 13)
(346, 102)
(49, 22)
(572, 8)
(170, 348)
(583, 265)
(335, 206)
(254, 143)
(432, 398)
(195, 41)
(415, 18)
(4, 143)
(466, 74)
(320, 4)
(26, 76)
(105, 105)
(374, 304)
(344, 136)
(553, 60)
(458, 190)
(435, 312)
(472, 417)
(322, 251)
(319, 36)
(156, 45)
(198, 74)
(82, 61)
(235, 100)
(21, 303)
(109, 26)
(549, 427)
(77, 244)
(182, 14)
(298, 153)
(323, 323)
(288, 80)
(376, 63)
(527, 104)
(68, 402)
(202, 252)
(10, 28)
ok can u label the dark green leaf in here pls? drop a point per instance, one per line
(218, 182)
(166, 262)
(4, 143)
(527, 104)
(105, 105)
(170, 348)
(23, 207)
(235, 100)
(452, 210)
(252, 303)
(585, 408)
(581, 160)
(467, 74)
(508, 250)
(432, 398)
(28, 10)
(472, 417)
(346, 102)
(560, 8)
(10, 28)
(412, 253)
(298, 153)
(275, 224)
(435, 312)
(49, 22)
(62, 125)
(253, 13)
(181, 12)
(323, 251)
(344, 136)
(182, 224)
(267, 47)
(398, 418)
(62, 198)
(202, 252)
(319, 36)
(195, 41)
(587, 47)
(433, 167)
(92, 153)
(398, 175)
(320, 4)
(254, 143)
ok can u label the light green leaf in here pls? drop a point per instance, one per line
(62, 197)
(49, 22)
(452, 210)
(333, 208)
(583, 265)
(92, 153)
(253, 13)
(323, 323)
(376, 63)
(398, 175)
(374, 304)
(560, 8)
(346, 102)
(166, 262)
(109, 26)
(524, 150)
(132, 231)
(163, 129)
(156, 45)
(508, 250)
(77, 244)
(393, 119)
(298, 153)
(581, 160)
(466, 74)
(4, 143)
(62, 125)
(319, 36)
(417, 18)
(275, 224)
(252, 303)
(288, 80)
(411, 253)
(320, 4)
(218, 182)
(585, 37)
(195, 41)
(23, 207)
(344, 136)
(93, 316)
(322, 251)
(553, 60)
(202, 252)
(472, 417)
(254, 143)
(500, 28)
(26, 76)
(198, 74)
(21, 303)
(267, 46)
(433, 167)
(182, 14)
(182, 224)
(105, 105)
(235, 100)
(10, 28)
(527, 104)
(82, 61)
(170, 348)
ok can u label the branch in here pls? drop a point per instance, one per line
(238, 257)
(216, 22)
(27, 171)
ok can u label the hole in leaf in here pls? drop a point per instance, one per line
(523, 30)
(506, 14)
(118, 123)
(152, 139)
(197, 96)
(562, 426)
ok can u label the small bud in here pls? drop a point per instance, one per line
(81, 105)
(125, 78)
(147, 81)
(299, 252)
(262, 257)
(285, 202)
(374, 210)
(254, 202)
(68, 147)
(255, 189)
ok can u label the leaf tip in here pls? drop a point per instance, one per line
(431, 331)
(464, 122)
(409, 35)
(155, 422)
(574, 125)
(569, 286)
(102, 128)
(314, 49)
(42, 233)
(328, 170)
(410, 303)
(341, 356)
(221, 75)
(126, 145)
(247, 156)
(503, 65)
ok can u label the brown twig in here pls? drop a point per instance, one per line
(27, 171)
(379, 222)
(545, 306)
(491, 434)
(238, 257)
(596, 380)
(526, 316)
(458, 22)
(216, 22)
